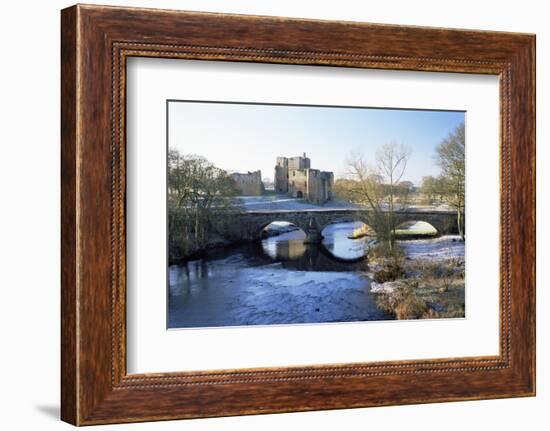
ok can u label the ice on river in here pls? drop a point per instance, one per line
(230, 293)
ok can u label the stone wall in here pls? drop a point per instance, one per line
(328, 178)
(297, 183)
(281, 179)
(299, 163)
(319, 186)
(249, 184)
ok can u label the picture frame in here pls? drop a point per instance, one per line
(96, 42)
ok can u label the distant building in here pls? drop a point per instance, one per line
(249, 184)
(294, 176)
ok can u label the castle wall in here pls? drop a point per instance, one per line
(299, 162)
(249, 184)
(297, 183)
(281, 179)
(328, 183)
(294, 176)
(319, 186)
(315, 186)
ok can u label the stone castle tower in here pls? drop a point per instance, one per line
(294, 176)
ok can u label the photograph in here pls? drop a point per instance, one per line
(284, 214)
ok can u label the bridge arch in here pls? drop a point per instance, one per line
(262, 231)
(365, 227)
(291, 249)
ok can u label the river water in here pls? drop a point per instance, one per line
(278, 280)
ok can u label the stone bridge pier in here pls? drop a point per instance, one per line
(248, 225)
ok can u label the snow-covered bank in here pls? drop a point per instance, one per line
(444, 247)
(388, 287)
(427, 283)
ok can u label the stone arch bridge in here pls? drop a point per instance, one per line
(248, 225)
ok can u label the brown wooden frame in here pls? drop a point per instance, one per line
(95, 43)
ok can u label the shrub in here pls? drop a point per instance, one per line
(456, 310)
(382, 251)
(404, 303)
(390, 272)
(409, 306)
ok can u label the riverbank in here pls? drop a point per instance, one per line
(425, 281)
(179, 254)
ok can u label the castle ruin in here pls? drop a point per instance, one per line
(249, 184)
(294, 176)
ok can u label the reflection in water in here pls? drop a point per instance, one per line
(290, 245)
(338, 242)
(286, 246)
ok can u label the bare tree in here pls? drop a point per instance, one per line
(376, 187)
(392, 161)
(450, 156)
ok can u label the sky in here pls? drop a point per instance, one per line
(242, 137)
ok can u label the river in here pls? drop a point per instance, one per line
(279, 280)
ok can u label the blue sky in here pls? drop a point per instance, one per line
(241, 137)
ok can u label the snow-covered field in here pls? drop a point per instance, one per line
(444, 247)
(286, 203)
(283, 202)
